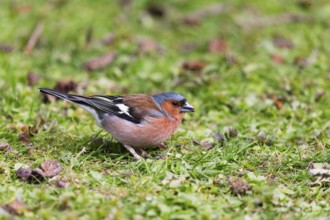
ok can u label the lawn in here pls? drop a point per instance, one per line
(257, 73)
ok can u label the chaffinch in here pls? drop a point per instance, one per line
(137, 121)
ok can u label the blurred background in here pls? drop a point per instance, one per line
(232, 59)
(257, 73)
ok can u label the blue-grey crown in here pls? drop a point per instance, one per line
(159, 98)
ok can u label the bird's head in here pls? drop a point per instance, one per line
(172, 104)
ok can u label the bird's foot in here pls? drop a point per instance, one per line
(162, 146)
(132, 151)
(144, 154)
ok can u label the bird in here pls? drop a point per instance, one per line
(137, 121)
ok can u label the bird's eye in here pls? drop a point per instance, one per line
(175, 103)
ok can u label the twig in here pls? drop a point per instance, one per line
(34, 38)
(212, 10)
(259, 22)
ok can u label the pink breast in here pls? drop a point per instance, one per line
(152, 132)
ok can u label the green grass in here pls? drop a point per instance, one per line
(190, 182)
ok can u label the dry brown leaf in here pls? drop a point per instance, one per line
(238, 186)
(193, 65)
(157, 11)
(51, 168)
(34, 176)
(23, 173)
(62, 184)
(218, 45)
(4, 146)
(16, 207)
(61, 86)
(277, 59)
(277, 102)
(26, 133)
(218, 137)
(100, 62)
(6, 48)
(32, 78)
(282, 42)
(148, 45)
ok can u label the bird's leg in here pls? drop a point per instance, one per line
(162, 146)
(132, 151)
(144, 154)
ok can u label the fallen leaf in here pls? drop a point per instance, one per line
(205, 144)
(61, 86)
(219, 137)
(218, 45)
(282, 42)
(23, 173)
(148, 45)
(230, 132)
(26, 133)
(10, 149)
(191, 21)
(20, 9)
(238, 186)
(278, 101)
(24, 137)
(277, 59)
(32, 78)
(157, 11)
(193, 65)
(16, 207)
(5, 48)
(4, 146)
(51, 168)
(100, 62)
(305, 4)
(62, 184)
(31, 176)
(66, 86)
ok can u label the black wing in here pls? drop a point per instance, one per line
(112, 105)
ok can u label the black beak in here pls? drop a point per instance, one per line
(187, 108)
